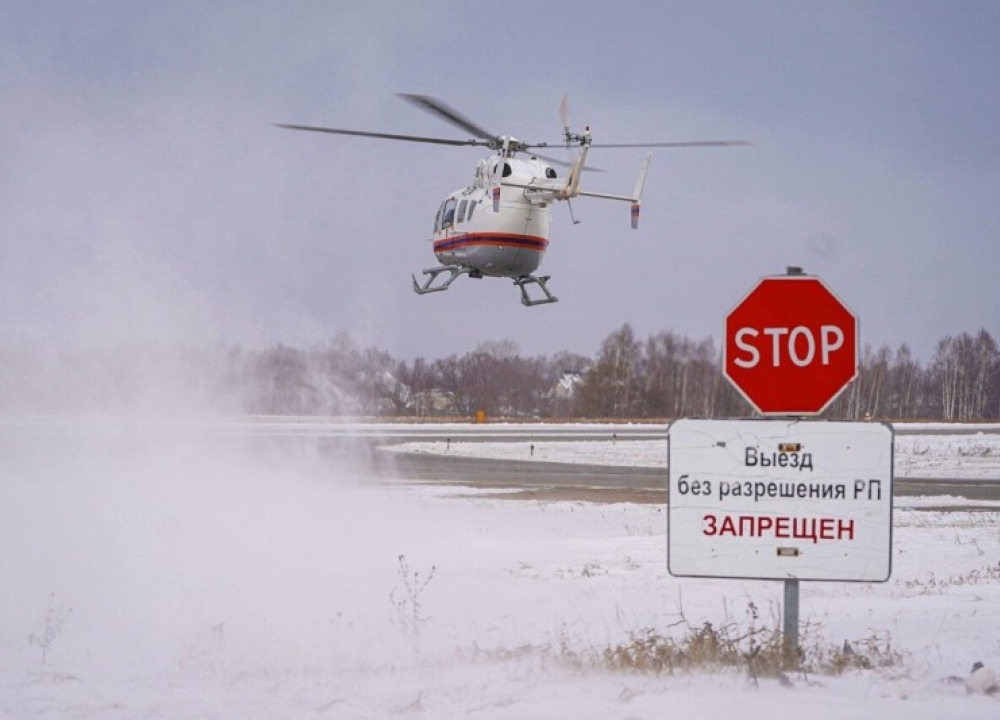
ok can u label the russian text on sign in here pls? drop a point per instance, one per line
(780, 498)
(780, 527)
(753, 456)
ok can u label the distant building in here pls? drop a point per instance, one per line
(432, 402)
(566, 386)
(562, 395)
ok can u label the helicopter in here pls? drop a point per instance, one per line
(499, 225)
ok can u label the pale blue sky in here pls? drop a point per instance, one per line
(145, 195)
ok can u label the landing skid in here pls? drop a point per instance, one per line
(433, 273)
(540, 282)
(454, 271)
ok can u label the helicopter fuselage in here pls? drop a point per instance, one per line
(506, 237)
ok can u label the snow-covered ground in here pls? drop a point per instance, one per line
(183, 575)
(973, 454)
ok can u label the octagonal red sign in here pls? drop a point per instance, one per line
(791, 346)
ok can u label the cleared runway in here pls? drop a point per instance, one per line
(364, 446)
(602, 483)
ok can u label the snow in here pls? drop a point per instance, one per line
(973, 454)
(237, 575)
(954, 456)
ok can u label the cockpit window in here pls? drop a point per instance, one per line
(448, 216)
(461, 210)
(472, 208)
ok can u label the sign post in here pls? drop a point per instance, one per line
(790, 623)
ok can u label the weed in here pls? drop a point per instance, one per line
(932, 584)
(409, 609)
(977, 451)
(51, 626)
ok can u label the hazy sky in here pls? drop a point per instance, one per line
(146, 196)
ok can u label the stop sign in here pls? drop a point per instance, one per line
(791, 346)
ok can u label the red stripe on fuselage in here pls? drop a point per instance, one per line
(520, 242)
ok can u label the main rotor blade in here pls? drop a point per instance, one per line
(436, 107)
(383, 136)
(561, 163)
(702, 143)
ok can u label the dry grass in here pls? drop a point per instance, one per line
(752, 646)
(759, 649)
(931, 584)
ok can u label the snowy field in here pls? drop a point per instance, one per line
(189, 575)
(974, 453)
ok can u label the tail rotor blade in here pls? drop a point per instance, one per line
(564, 115)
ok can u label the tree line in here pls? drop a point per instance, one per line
(665, 375)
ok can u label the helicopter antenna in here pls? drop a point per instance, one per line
(572, 216)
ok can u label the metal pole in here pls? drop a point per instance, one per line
(790, 624)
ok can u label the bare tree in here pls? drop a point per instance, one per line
(610, 388)
(964, 376)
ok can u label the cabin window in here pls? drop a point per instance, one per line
(448, 217)
(461, 210)
(550, 173)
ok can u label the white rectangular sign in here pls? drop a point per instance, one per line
(779, 499)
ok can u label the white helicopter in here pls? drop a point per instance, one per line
(499, 225)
